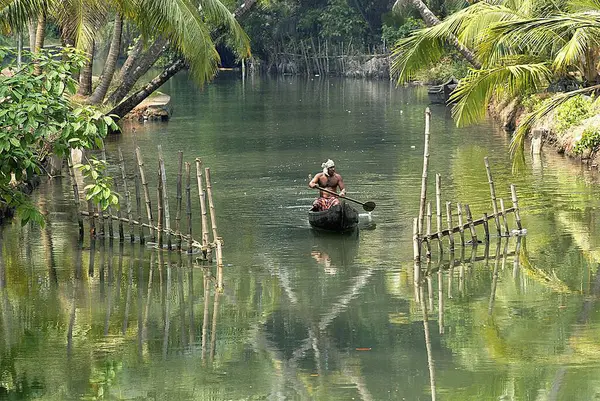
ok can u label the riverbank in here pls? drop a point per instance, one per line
(509, 113)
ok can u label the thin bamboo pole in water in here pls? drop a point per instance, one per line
(450, 228)
(492, 193)
(179, 196)
(188, 196)
(471, 225)
(202, 198)
(127, 194)
(211, 204)
(438, 208)
(504, 219)
(159, 223)
(424, 174)
(165, 194)
(460, 224)
(428, 228)
(515, 202)
(140, 161)
(76, 196)
(138, 204)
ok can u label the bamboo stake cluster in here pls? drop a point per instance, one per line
(156, 226)
(498, 215)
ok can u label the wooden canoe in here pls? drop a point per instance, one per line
(340, 218)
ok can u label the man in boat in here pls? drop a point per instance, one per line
(330, 180)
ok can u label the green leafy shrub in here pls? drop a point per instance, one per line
(446, 68)
(590, 139)
(573, 112)
(38, 119)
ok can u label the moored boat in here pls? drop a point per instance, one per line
(441, 93)
(338, 218)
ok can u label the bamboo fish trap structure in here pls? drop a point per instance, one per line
(423, 234)
(138, 217)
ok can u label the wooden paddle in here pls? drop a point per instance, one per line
(368, 206)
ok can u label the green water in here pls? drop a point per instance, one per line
(305, 316)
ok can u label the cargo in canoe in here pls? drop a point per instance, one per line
(338, 218)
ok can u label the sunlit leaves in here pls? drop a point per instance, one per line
(100, 191)
(37, 119)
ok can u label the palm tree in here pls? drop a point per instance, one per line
(187, 24)
(523, 45)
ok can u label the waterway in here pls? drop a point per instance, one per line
(304, 316)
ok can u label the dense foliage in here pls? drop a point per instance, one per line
(37, 119)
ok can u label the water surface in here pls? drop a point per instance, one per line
(303, 315)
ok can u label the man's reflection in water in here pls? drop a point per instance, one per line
(325, 260)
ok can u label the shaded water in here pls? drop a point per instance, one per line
(302, 315)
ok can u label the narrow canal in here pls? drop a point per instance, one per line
(305, 316)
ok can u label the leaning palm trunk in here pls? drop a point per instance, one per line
(431, 20)
(31, 27)
(85, 78)
(128, 104)
(110, 65)
(139, 67)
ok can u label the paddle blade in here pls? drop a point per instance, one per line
(369, 206)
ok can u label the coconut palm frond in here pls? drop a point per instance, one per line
(481, 16)
(218, 15)
(583, 5)
(573, 51)
(411, 54)
(81, 20)
(15, 14)
(181, 22)
(473, 93)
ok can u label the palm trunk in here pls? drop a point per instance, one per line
(131, 58)
(39, 38)
(139, 67)
(31, 26)
(85, 78)
(128, 104)
(431, 20)
(110, 65)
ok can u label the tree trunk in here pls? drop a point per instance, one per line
(128, 104)
(139, 67)
(431, 20)
(110, 65)
(85, 77)
(31, 26)
(39, 38)
(131, 58)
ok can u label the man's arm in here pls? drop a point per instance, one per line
(315, 181)
(341, 185)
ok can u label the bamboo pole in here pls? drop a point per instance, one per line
(457, 229)
(492, 193)
(438, 207)
(450, 228)
(90, 206)
(120, 216)
(416, 244)
(140, 162)
(515, 201)
(504, 219)
(424, 174)
(101, 231)
(127, 194)
(460, 224)
(179, 195)
(471, 225)
(202, 197)
(138, 204)
(165, 193)
(76, 196)
(110, 225)
(486, 228)
(428, 238)
(160, 198)
(213, 219)
(188, 196)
